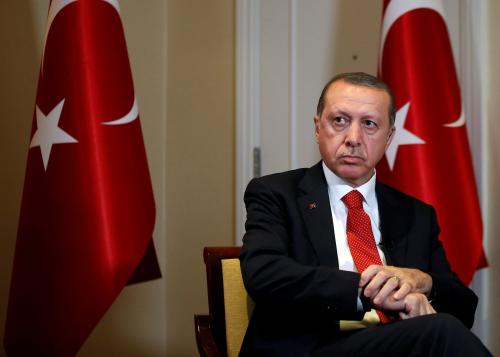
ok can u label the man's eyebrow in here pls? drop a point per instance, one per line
(336, 112)
(370, 116)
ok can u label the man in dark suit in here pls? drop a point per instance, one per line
(306, 271)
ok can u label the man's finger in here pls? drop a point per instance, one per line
(377, 282)
(390, 304)
(404, 290)
(369, 273)
(387, 289)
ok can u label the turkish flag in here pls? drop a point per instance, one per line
(87, 212)
(429, 157)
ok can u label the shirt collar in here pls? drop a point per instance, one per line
(339, 188)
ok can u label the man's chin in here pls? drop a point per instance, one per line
(353, 175)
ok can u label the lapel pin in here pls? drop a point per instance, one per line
(312, 205)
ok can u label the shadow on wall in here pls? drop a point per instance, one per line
(19, 64)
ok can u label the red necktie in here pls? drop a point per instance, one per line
(360, 237)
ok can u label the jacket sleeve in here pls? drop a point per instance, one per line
(273, 277)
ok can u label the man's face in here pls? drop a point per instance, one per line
(353, 131)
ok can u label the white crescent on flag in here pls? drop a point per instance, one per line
(459, 122)
(55, 7)
(394, 11)
(398, 8)
(127, 118)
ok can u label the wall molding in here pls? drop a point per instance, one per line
(293, 147)
(247, 101)
(472, 73)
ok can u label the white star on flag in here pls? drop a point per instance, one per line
(49, 133)
(401, 136)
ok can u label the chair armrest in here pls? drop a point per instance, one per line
(204, 337)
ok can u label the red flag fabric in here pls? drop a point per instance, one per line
(429, 157)
(87, 212)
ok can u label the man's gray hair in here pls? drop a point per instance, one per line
(359, 79)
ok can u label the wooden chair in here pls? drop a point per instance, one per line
(221, 332)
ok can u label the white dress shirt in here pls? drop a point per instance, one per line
(338, 188)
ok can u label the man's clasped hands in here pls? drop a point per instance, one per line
(397, 290)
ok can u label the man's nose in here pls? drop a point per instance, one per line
(353, 135)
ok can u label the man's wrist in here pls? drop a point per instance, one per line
(428, 284)
(431, 294)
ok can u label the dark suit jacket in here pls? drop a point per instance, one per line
(290, 267)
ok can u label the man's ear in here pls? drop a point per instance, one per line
(316, 127)
(392, 130)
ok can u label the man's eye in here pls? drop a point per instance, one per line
(370, 124)
(339, 120)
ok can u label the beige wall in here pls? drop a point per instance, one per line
(19, 57)
(200, 155)
(182, 58)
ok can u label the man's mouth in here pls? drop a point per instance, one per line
(352, 159)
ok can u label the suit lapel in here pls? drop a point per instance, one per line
(314, 206)
(394, 222)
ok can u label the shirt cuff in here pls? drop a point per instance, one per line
(363, 303)
(360, 305)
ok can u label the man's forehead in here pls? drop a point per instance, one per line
(344, 92)
(341, 87)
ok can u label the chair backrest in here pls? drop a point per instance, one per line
(238, 306)
(228, 303)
